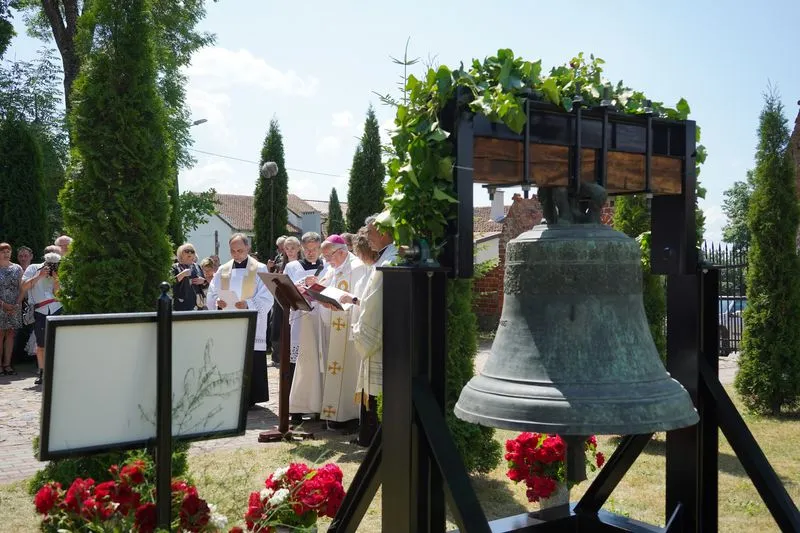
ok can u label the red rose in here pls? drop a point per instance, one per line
(194, 512)
(542, 486)
(77, 493)
(297, 471)
(47, 497)
(236, 529)
(600, 459)
(592, 440)
(133, 473)
(105, 490)
(146, 518)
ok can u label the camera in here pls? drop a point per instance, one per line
(51, 262)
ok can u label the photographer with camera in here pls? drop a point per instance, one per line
(40, 280)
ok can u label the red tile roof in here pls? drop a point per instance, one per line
(237, 211)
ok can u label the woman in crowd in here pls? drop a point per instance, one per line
(208, 269)
(291, 252)
(10, 314)
(188, 279)
(23, 338)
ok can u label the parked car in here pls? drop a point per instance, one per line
(730, 323)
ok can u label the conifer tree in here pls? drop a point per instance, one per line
(769, 367)
(116, 199)
(23, 215)
(270, 215)
(365, 188)
(335, 219)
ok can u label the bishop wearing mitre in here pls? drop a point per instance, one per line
(236, 285)
(340, 372)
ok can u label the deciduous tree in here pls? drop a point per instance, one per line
(735, 206)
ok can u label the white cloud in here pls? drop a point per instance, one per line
(218, 174)
(212, 106)
(222, 69)
(342, 119)
(715, 221)
(329, 145)
(386, 127)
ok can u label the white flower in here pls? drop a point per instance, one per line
(220, 521)
(279, 473)
(279, 497)
(266, 494)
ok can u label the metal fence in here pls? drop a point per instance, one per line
(732, 265)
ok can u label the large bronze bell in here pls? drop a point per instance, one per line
(573, 354)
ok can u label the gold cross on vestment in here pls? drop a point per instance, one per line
(339, 324)
(328, 411)
(334, 368)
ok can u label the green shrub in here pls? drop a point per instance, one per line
(480, 452)
(96, 467)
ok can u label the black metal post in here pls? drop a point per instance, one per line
(413, 500)
(706, 406)
(271, 218)
(164, 410)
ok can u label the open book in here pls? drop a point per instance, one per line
(328, 295)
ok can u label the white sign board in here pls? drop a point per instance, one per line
(100, 380)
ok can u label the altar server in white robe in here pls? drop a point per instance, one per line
(340, 373)
(240, 275)
(368, 332)
(305, 395)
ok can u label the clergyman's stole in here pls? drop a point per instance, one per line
(248, 283)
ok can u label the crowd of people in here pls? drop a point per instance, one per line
(335, 350)
(28, 295)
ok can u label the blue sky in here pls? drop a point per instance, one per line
(314, 65)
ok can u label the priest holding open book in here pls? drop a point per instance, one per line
(341, 359)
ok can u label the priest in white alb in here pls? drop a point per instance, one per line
(368, 331)
(342, 361)
(236, 285)
(305, 395)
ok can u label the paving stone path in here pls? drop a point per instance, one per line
(20, 403)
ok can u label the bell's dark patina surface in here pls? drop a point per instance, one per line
(573, 354)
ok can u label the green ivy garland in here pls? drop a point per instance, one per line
(419, 194)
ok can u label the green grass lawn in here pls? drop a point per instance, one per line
(227, 478)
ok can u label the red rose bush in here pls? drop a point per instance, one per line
(126, 503)
(539, 460)
(294, 497)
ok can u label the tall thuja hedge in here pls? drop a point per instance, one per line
(23, 214)
(365, 187)
(116, 199)
(479, 450)
(769, 368)
(266, 214)
(335, 218)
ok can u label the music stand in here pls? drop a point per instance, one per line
(289, 298)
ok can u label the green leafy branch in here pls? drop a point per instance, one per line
(420, 197)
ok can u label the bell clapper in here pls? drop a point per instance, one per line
(576, 458)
